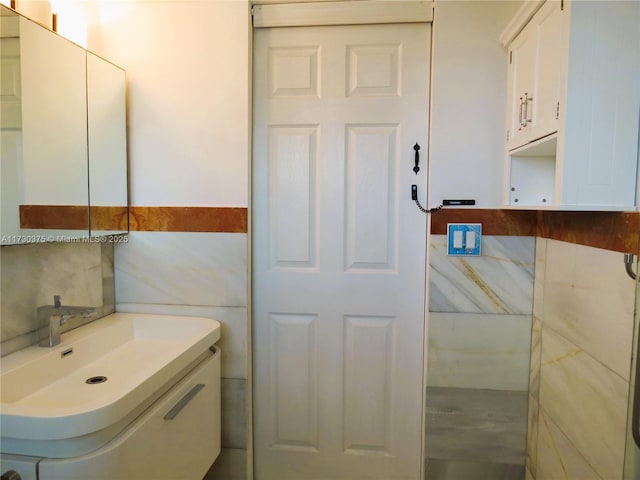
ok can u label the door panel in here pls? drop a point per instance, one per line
(292, 203)
(371, 226)
(339, 251)
(294, 384)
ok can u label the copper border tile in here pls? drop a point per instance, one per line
(617, 231)
(58, 217)
(188, 219)
(494, 222)
(109, 218)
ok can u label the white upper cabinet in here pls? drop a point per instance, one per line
(573, 105)
(535, 74)
(521, 74)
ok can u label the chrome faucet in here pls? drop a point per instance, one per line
(54, 316)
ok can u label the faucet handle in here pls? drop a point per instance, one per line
(56, 301)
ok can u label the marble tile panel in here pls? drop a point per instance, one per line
(528, 475)
(233, 338)
(532, 435)
(499, 281)
(632, 461)
(182, 269)
(479, 351)
(466, 470)
(539, 276)
(32, 274)
(234, 412)
(558, 458)
(534, 363)
(108, 277)
(632, 453)
(231, 464)
(586, 400)
(589, 299)
(476, 425)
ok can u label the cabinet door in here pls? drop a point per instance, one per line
(54, 120)
(107, 134)
(600, 154)
(551, 30)
(522, 59)
(165, 443)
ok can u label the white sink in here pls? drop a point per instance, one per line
(48, 408)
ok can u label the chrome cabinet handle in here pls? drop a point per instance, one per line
(520, 116)
(527, 99)
(177, 408)
(628, 265)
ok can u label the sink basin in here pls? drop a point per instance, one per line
(74, 397)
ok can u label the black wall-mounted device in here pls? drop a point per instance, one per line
(458, 202)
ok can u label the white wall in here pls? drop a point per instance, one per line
(189, 98)
(468, 101)
(187, 66)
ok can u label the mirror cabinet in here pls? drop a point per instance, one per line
(63, 144)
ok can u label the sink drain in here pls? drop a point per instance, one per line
(94, 380)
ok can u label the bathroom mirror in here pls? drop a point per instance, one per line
(107, 137)
(63, 137)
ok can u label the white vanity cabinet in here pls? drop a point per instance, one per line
(176, 438)
(573, 105)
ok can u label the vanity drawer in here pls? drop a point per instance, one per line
(177, 437)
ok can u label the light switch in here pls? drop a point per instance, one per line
(457, 239)
(464, 239)
(470, 240)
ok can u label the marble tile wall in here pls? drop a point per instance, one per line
(484, 351)
(480, 314)
(197, 274)
(632, 454)
(581, 355)
(81, 273)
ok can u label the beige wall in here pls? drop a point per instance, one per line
(188, 75)
(468, 101)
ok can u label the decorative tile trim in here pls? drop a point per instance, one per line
(106, 218)
(58, 217)
(160, 219)
(188, 219)
(617, 231)
(520, 223)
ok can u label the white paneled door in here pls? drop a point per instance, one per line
(339, 251)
